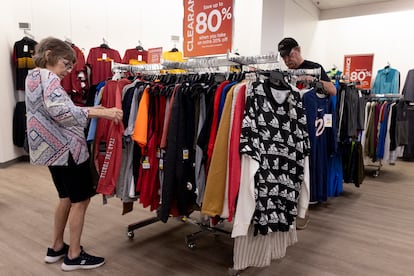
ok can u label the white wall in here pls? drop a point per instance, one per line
(247, 26)
(273, 22)
(388, 36)
(8, 97)
(301, 19)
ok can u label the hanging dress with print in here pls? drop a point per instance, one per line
(274, 134)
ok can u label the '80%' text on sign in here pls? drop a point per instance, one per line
(207, 27)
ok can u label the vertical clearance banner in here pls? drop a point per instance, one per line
(358, 68)
(207, 28)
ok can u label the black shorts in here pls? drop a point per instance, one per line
(73, 181)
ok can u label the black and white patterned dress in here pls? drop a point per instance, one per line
(274, 133)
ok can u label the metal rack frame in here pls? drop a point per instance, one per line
(377, 167)
(211, 64)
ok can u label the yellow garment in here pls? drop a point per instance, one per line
(216, 178)
(25, 62)
(175, 57)
(136, 62)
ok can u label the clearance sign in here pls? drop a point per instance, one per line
(207, 27)
(358, 68)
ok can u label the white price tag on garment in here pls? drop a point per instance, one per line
(25, 48)
(104, 56)
(139, 57)
(146, 163)
(327, 119)
(185, 154)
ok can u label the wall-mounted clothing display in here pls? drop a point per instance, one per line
(23, 51)
(387, 81)
(135, 56)
(99, 60)
(76, 82)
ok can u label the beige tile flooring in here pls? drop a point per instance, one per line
(367, 231)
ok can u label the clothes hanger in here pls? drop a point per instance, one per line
(28, 35)
(174, 49)
(278, 80)
(68, 41)
(104, 44)
(139, 47)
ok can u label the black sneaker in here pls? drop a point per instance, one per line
(53, 256)
(84, 261)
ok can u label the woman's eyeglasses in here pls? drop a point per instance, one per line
(68, 64)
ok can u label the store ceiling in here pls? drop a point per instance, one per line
(335, 4)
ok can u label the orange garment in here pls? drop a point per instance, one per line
(141, 121)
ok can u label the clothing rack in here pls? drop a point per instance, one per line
(120, 67)
(383, 97)
(198, 63)
(249, 60)
(205, 224)
(214, 64)
(301, 72)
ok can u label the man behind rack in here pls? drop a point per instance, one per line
(290, 52)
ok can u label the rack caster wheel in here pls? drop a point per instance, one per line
(191, 245)
(130, 235)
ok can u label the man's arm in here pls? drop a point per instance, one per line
(329, 87)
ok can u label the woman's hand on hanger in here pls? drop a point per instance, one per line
(111, 113)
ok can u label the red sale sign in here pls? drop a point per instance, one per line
(207, 28)
(154, 55)
(358, 68)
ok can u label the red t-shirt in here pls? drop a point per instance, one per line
(234, 152)
(214, 123)
(108, 140)
(99, 60)
(134, 56)
(76, 82)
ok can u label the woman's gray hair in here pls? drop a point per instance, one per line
(50, 50)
